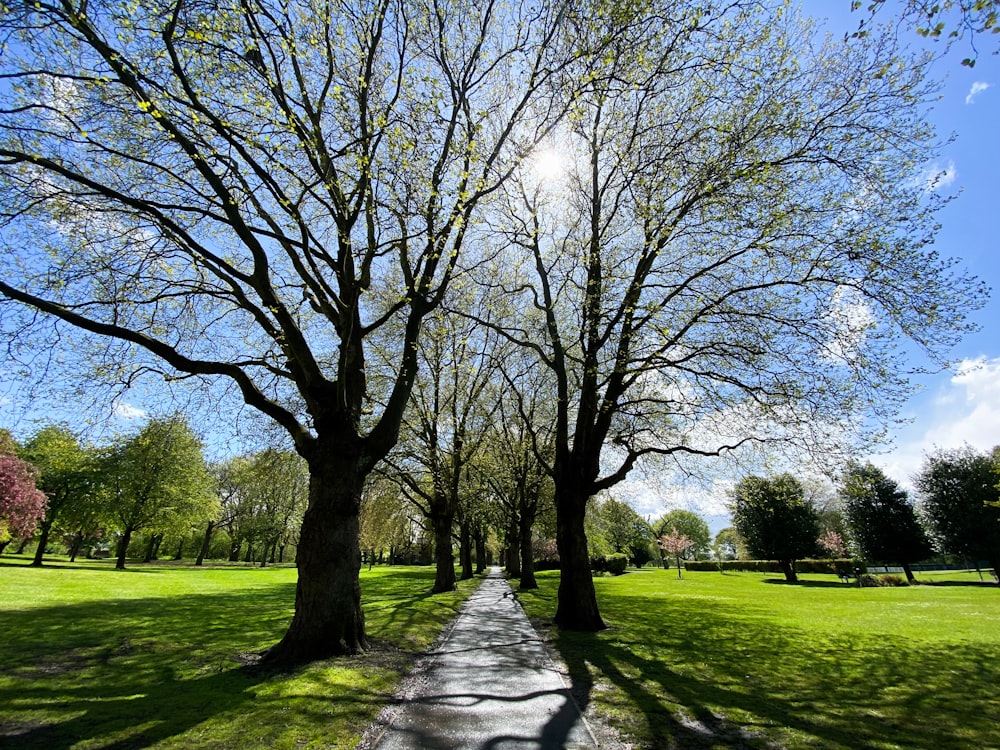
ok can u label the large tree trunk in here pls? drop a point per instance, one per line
(513, 552)
(910, 578)
(577, 606)
(123, 544)
(444, 560)
(524, 549)
(206, 543)
(43, 541)
(480, 538)
(74, 549)
(465, 549)
(328, 620)
(788, 568)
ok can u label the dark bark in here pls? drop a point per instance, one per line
(153, 548)
(22, 545)
(524, 550)
(206, 543)
(179, 554)
(3, 546)
(43, 541)
(123, 544)
(577, 604)
(234, 550)
(444, 560)
(465, 550)
(910, 578)
(328, 619)
(74, 549)
(788, 568)
(512, 550)
(480, 540)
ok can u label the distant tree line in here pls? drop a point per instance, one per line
(148, 494)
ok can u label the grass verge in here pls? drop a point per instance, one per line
(150, 657)
(741, 660)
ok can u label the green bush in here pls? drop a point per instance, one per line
(891, 579)
(615, 563)
(868, 581)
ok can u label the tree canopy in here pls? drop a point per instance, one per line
(258, 194)
(773, 516)
(959, 494)
(883, 522)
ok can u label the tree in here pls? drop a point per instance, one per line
(624, 530)
(675, 543)
(944, 19)
(688, 523)
(959, 497)
(68, 477)
(385, 526)
(444, 427)
(728, 544)
(274, 486)
(514, 463)
(883, 523)
(736, 244)
(155, 478)
(773, 516)
(250, 193)
(22, 504)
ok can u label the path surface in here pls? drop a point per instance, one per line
(489, 685)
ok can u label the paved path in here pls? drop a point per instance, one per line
(488, 686)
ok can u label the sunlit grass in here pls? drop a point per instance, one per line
(91, 657)
(740, 660)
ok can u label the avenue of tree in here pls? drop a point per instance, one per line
(334, 207)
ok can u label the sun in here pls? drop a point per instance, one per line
(549, 164)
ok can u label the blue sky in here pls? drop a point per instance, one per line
(961, 405)
(953, 407)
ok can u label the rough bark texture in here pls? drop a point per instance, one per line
(206, 542)
(527, 558)
(444, 560)
(43, 541)
(577, 608)
(465, 550)
(123, 548)
(908, 572)
(788, 568)
(328, 620)
(480, 538)
(513, 553)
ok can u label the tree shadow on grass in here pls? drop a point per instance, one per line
(170, 672)
(703, 676)
(810, 584)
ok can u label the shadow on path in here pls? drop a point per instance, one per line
(489, 685)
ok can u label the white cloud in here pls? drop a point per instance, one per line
(937, 177)
(965, 410)
(126, 411)
(977, 88)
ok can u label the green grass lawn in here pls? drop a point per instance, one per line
(91, 657)
(742, 660)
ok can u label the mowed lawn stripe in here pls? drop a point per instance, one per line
(150, 657)
(745, 660)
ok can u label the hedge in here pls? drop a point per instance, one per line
(615, 563)
(841, 567)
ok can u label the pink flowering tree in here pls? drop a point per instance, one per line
(675, 543)
(22, 504)
(833, 544)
